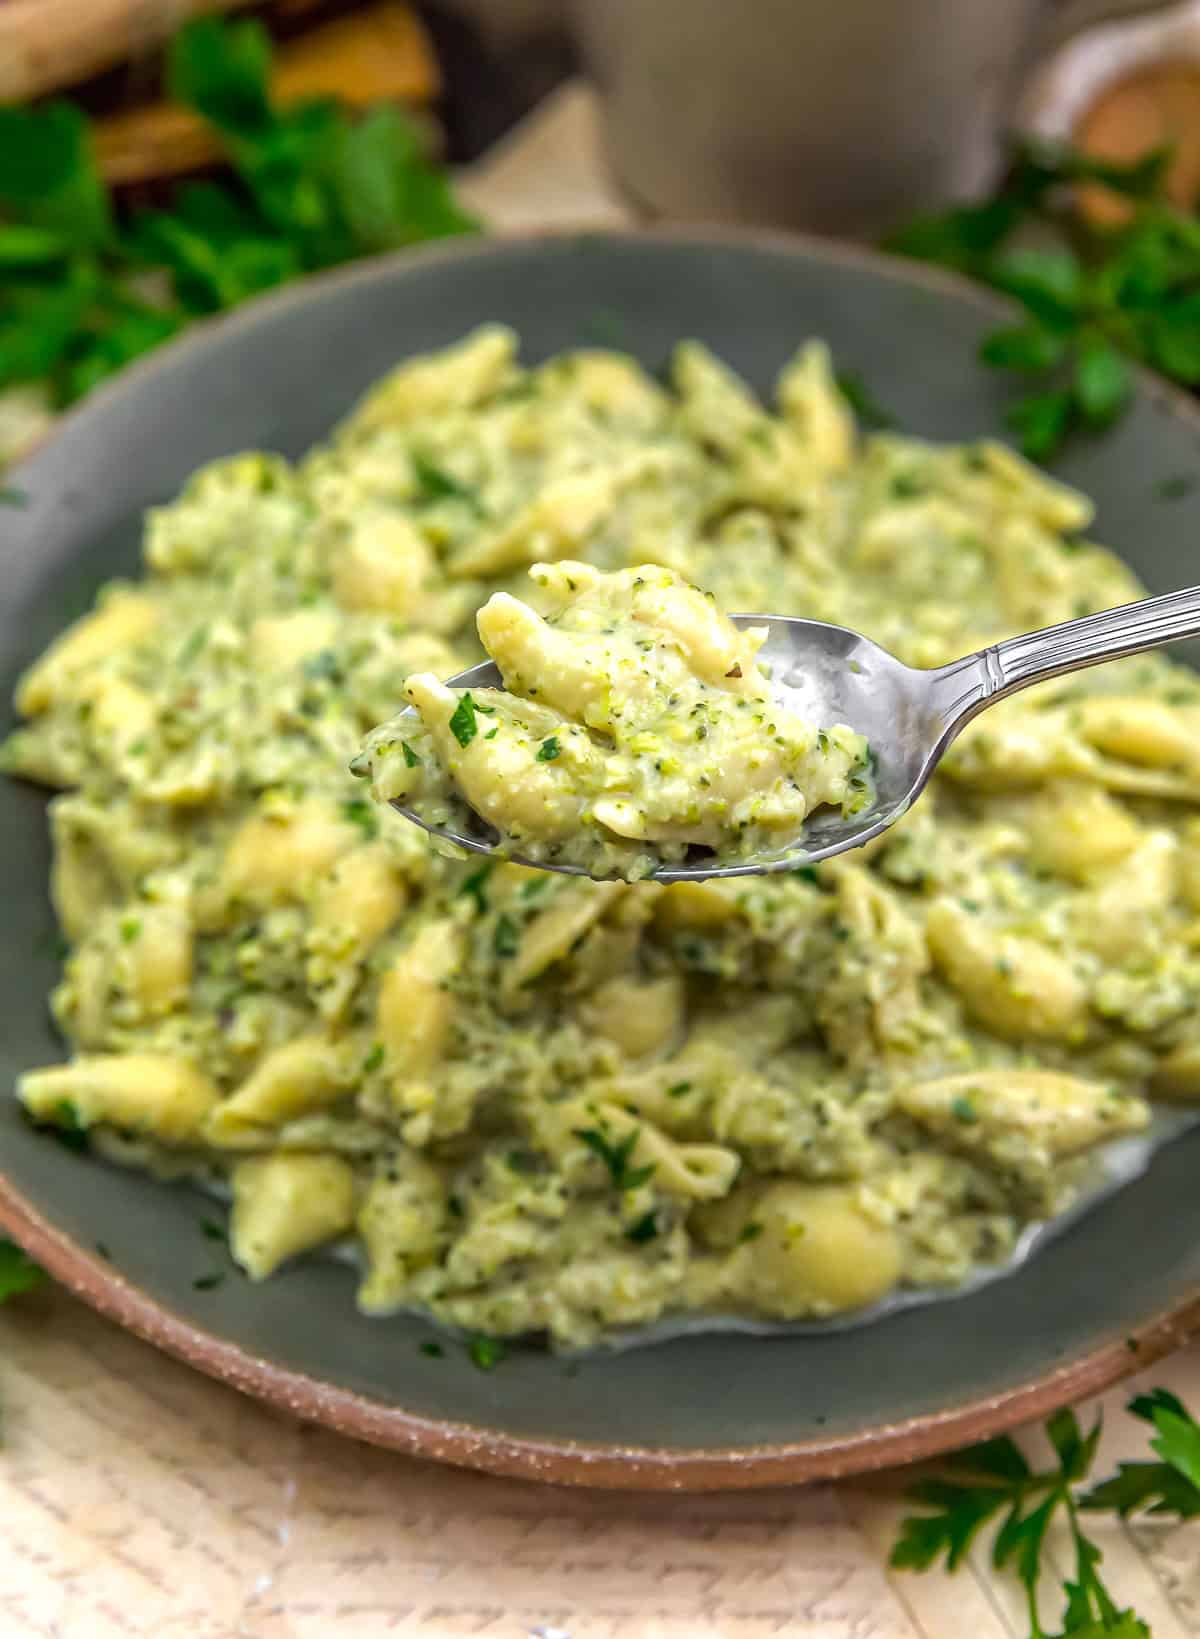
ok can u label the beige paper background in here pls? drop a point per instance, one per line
(140, 1500)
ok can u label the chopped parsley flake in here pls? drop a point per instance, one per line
(616, 1156)
(432, 1349)
(506, 936)
(463, 725)
(130, 929)
(963, 1110)
(436, 484)
(410, 756)
(360, 812)
(373, 1059)
(548, 750)
(645, 1229)
(67, 1126)
(486, 1352)
(474, 887)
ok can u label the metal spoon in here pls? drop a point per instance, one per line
(828, 674)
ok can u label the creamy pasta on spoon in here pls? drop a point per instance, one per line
(636, 727)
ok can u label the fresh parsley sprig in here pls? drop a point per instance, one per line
(1095, 300)
(18, 1272)
(992, 1483)
(85, 289)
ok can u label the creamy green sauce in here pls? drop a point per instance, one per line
(553, 1106)
(636, 729)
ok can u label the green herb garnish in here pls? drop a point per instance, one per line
(130, 929)
(434, 1350)
(313, 187)
(548, 750)
(857, 395)
(964, 1111)
(474, 887)
(436, 484)
(645, 1229)
(463, 724)
(486, 1352)
(322, 667)
(212, 1230)
(616, 1156)
(373, 1059)
(750, 1232)
(410, 756)
(1115, 295)
(993, 1483)
(679, 1089)
(506, 936)
(362, 813)
(18, 1272)
(67, 1126)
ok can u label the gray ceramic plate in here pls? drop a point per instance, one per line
(1111, 1293)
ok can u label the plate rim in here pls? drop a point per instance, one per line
(602, 1465)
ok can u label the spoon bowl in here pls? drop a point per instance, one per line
(829, 674)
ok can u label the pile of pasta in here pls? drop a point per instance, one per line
(540, 1105)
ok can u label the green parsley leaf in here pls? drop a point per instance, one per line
(645, 1228)
(434, 1350)
(373, 1060)
(1048, 282)
(1103, 383)
(322, 667)
(679, 1089)
(548, 750)
(857, 395)
(506, 936)
(475, 887)
(387, 193)
(66, 1126)
(1023, 347)
(960, 1511)
(410, 756)
(212, 1230)
(964, 1112)
(616, 1156)
(130, 929)
(436, 484)
(1000, 1486)
(1040, 422)
(486, 1352)
(749, 1232)
(18, 1272)
(362, 813)
(463, 724)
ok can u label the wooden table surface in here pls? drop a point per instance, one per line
(139, 1500)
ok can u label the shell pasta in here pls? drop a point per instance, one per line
(544, 1105)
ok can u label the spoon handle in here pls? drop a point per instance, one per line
(966, 686)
